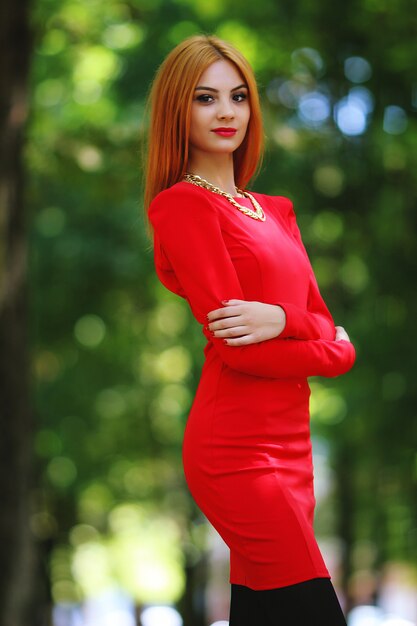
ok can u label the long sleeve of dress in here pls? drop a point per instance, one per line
(189, 245)
(316, 322)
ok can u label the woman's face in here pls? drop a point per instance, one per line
(220, 101)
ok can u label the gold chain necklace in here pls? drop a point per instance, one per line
(257, 212)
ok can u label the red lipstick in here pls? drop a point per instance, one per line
(225, 132)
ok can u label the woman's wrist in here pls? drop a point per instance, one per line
(281, 318)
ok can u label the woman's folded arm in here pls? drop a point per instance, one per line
(188, 236)
(314, 322)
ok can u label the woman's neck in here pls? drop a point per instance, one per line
(219, 173)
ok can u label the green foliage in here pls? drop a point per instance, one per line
(116, 358)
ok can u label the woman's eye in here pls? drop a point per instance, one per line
(204, 98)
(241, 96)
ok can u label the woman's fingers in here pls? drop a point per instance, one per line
(241, 341)
(226, 322)
(246, 321)
(226, 311)
(232, 331)
(341, 334)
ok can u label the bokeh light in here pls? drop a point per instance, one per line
(90, 330)
(350, 116)
(160, 616)
(61, 471)
(307, 61)
(327, 405)
(395, 120)
(314, 108)
(357, 69)
(329, 180)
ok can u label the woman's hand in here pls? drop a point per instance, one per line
(341, 334)
(241, 322)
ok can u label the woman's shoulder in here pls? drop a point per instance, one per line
(278, 201)
(179, 191)
(182, 202)
(282, 205)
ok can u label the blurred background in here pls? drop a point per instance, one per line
(99, 362)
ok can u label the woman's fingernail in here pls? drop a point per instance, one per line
(225, 301)
(225, 341)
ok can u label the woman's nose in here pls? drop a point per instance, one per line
(225, 111)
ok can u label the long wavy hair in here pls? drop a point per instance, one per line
(170, 98)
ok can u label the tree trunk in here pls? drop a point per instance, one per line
(16, 544)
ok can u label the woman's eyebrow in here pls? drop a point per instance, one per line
(216, 90)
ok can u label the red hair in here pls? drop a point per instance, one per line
(170, 99)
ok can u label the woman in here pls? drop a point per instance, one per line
(238, 258)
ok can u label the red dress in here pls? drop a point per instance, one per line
(247, 447)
